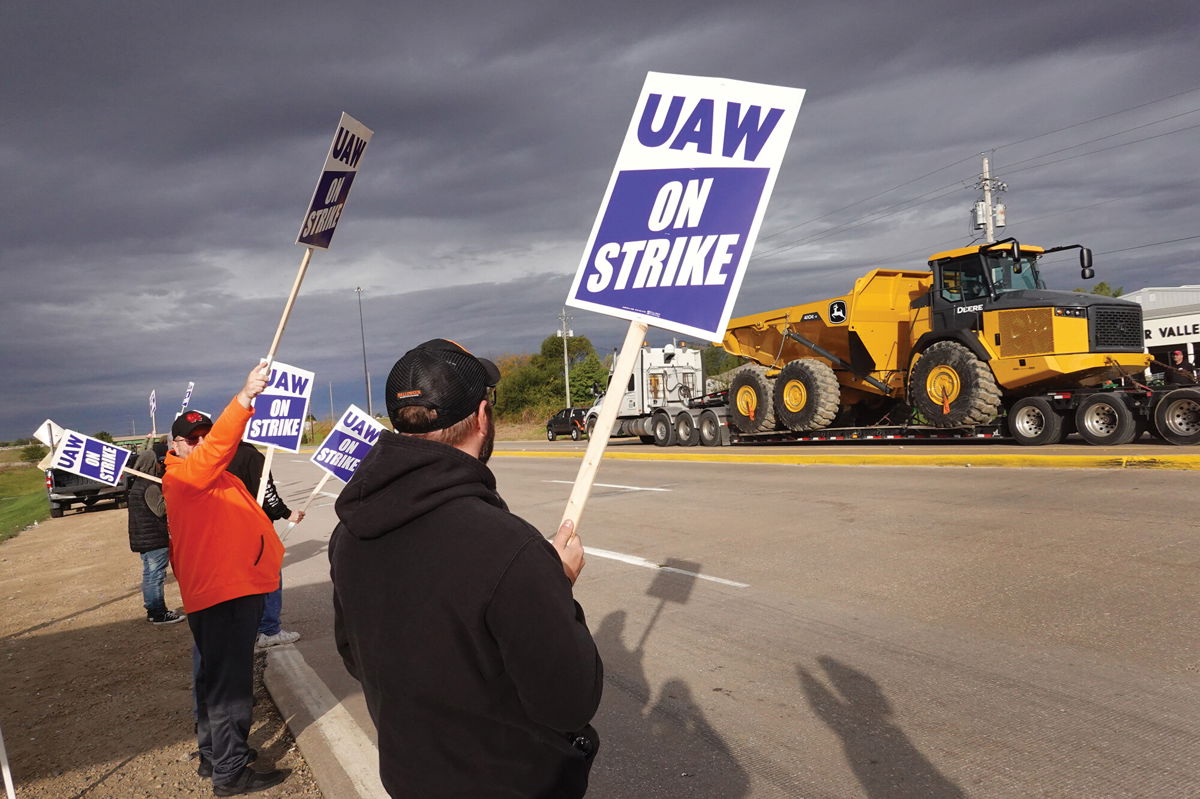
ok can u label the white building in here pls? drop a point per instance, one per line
(1172, 320)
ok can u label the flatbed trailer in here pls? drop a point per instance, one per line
(1101, 416)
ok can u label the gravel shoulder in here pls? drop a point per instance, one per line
(94, 701)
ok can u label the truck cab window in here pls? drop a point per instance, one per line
(963, 279)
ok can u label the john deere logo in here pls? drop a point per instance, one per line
(837, 311)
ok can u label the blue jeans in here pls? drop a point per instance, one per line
(272, 608)
(154, 570)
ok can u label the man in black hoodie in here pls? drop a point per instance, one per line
(455, 615)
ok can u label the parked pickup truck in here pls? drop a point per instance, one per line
(66, 490)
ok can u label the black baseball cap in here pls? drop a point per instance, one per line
(442, 376)
(185, 423)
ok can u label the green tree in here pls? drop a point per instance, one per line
(534, 387)
(1102, 289)
(589, 373)
(717, 361)
(34, 452)
(103, 436)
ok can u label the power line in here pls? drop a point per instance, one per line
(1151, 244)
(871, 217)
(1128, 249)
(1102, 138)
(896, 208)
(1097, 119)
(866, 199)
(1008, 172)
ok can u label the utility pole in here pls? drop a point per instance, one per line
(565, 334)
(987, 215)
(363, 332)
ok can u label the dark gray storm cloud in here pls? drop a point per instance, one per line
(158, 157)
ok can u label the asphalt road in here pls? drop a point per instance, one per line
(860, 631)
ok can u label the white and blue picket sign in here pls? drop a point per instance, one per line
(685, 202)
(90, 457)
(347, 443)
(280, 410)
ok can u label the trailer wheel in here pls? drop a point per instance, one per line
(686, 432)
(1033, 421)
(662, 429)
(951, 387)
(1103, 420)
(1177, 417)
(807, 396)
(709, 429)
(750, 403)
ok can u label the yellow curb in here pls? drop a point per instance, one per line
(1184, 462)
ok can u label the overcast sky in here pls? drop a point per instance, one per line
(158, 157)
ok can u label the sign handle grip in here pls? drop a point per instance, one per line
(266, 473)
(287, 308)
(622, 370)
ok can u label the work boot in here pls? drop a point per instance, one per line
(166, 617)
(251, 781)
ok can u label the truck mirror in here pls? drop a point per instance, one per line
(1016, 251)
(1087, 273)
(1085, 258)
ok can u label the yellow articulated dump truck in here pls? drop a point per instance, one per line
(975, 344)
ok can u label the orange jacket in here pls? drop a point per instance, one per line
(222, 544)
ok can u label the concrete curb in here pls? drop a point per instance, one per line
(1184, 462)
(343, 759)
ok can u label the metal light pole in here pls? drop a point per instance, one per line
(565, 333)
(362, 331)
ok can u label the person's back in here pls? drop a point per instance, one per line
(457, 618)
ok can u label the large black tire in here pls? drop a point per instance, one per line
(550, 434)
(1177, 417)
(591, 426)
(1104, 420)
(1033, 421)
(662, 427)
(807, 396)
(751, 406)
(56, 512)
(575, 434)
(710, 428)
(687, 434)
(950, 387)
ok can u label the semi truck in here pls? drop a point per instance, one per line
(975, 346)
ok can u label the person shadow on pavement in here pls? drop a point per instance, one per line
(885, 761)
(668, 749)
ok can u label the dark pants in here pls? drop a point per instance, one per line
(224, 681)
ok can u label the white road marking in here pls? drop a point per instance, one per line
(609, 485)
(634, 560)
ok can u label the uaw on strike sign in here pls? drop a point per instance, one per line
(347, 443)
(685, 202)
(90, 457)
(282, 407)
(333, 187)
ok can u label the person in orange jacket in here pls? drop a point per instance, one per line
(226, 557)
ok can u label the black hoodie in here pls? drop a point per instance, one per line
(455, 615)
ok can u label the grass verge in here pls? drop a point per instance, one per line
(22, 499)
